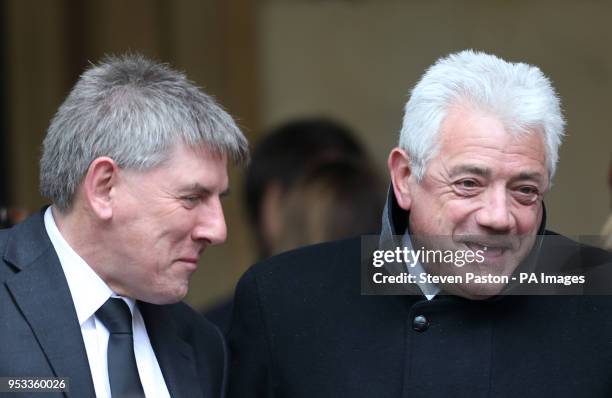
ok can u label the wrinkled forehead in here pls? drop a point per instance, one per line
(473, 137)
(464, 124)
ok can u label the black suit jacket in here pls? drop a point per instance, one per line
(302, 329)
(40, 335)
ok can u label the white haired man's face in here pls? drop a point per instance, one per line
(482, 191)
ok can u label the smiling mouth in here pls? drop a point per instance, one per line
(188, 260)
(488, 249)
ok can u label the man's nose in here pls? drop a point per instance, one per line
(210, 224)
(495, 213)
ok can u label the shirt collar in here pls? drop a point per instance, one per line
(87, 289)
(395, 219)
(428, 289)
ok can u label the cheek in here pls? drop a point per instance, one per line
(458, 212)
(528, 219)
(434, 217)
(439, 212)
(170, 230)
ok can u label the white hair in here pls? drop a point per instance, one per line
(520, 95)
(134, 111)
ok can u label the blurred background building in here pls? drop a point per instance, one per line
(269, 61)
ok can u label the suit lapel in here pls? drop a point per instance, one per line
(174, 355)
(41, 292)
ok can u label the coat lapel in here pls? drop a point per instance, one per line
(174, 355)
(41, 292)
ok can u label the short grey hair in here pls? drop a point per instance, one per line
(134, 111)
(519, 94)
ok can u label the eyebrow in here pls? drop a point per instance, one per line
(536, 177)
(202, 190)
(470, 169)
(486, 173)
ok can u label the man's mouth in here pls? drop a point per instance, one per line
(191, 262)
(489, 249)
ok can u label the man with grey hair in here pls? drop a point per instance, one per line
(478, 150)
(135, 164)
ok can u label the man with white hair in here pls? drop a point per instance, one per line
(135, 164)
(478, 150)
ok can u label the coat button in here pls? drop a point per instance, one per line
(420, 323)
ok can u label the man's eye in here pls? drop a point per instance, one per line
(467, 184)
(191, 200)
(526, 190)
(467, 187)
(527, 194)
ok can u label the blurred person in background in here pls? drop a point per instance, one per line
(10, 215)
(280, 159)
(334, 199)
(317, 158)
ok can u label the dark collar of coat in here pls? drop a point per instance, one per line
(40, 291)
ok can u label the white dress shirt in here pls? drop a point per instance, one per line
(88, 293)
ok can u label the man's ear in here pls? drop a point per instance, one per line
(400, 171)
(98, 186)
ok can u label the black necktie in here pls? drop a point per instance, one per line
(122, 370)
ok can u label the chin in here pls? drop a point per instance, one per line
(176, 296)
(488, 291)
(170, 296)
(478, 291)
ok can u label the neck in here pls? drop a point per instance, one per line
(82, 233)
